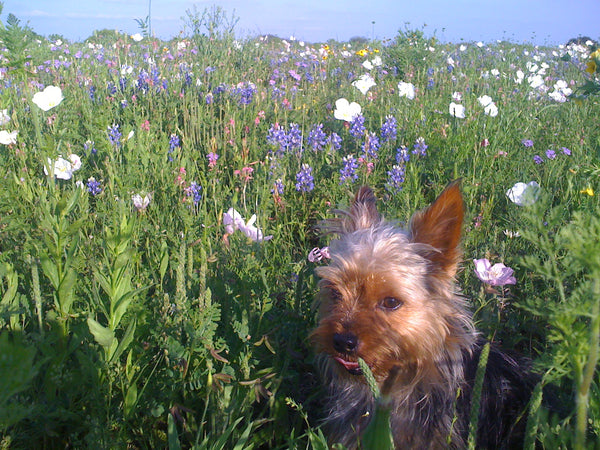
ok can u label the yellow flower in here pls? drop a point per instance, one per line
(589, 191)
(592, 65)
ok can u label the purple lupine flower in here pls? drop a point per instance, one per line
(277, 137)
(538, 159)
(334, 141)
(566, 151)
(357, 127)
(371, 146)
(93, 186)
(304, 179)
(395, 179)
(420, 147)
(278, 187)
(194, 190)
(402, 155)
(389, 129)
(114, 135)
(550, 154)
(348, 172)
(89, 145)
(527, 142)
(294, 137)
(174, 142)
(317, 137)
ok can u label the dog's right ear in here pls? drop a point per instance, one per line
(363, 213)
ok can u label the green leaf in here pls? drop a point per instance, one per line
(50, 270)
(173, 437)
(104, 336)
(131, 399)
(125, 341)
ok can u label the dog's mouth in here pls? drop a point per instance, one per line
(351, 366)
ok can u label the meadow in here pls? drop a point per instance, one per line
(160, 203)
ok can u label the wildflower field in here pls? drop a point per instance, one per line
(159, 212)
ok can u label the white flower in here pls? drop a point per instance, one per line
(364, 83)
(368, 65)
(377, 61)
(479, 44)
(233, 220)
(406, 90)
(50, 97)
(63, 169)
(141, 203)
(130, 135)
(462, 47)
(4, 117)
(484, 100)
(137, 37)
(457, 96)
(75, 162)
(520, 76)
(457, 110)
(524, 194)
(7, 138)
(491, 110)
(535, 81)
(345, 110)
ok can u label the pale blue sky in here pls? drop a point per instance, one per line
(533, 21)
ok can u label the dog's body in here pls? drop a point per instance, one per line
(389, 298)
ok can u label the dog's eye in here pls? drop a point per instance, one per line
(391, 303)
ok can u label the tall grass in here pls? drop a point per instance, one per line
(146, 327)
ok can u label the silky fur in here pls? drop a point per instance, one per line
(424, 352)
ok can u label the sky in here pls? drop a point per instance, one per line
(521, 21)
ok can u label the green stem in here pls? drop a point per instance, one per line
(583, 390)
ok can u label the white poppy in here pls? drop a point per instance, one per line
(345, 110)
(47, 99)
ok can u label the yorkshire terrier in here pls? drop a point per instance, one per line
(388, 296)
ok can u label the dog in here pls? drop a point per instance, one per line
(388, 296)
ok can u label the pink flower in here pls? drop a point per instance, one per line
(496, 275)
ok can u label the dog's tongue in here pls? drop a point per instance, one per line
(350, 366)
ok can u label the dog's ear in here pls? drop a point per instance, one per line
(439, 226)
(363, 213)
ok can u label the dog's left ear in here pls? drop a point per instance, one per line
(439, 226)
(363, 213)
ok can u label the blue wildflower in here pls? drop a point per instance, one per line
(389, 129)
(402, 155)
(335, 141)
(317, 137)
(357, 128)
(348, 172)
(173, 142)
(304, 179)
(114, 135)
(194, 190)
(371, 146)
(538, 159)
(278, 187)
(420, 147)
(550, 154)
(395, 179)
(527, 142)
(93, 186)
(294, 138)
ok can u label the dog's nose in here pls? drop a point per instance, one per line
(345, 342)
